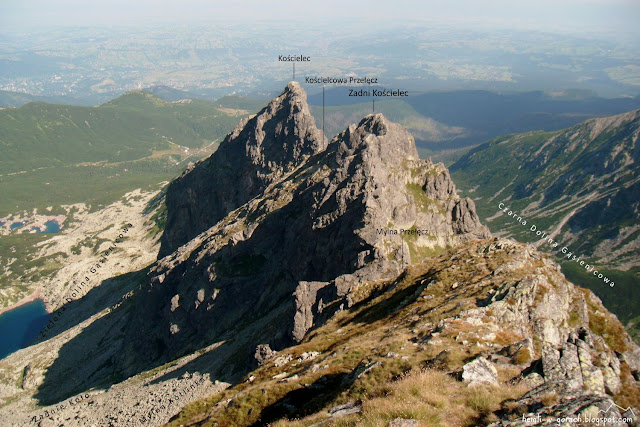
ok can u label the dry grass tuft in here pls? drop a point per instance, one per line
(630, 392)
(522, 357)
(435, 399)
(549, 399)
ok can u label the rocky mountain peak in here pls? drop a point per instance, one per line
(282, 133)
(295, 90)
(258, 152)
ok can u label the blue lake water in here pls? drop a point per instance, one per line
(52, 227)
(20, 326)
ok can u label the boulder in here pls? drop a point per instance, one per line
(479, 371)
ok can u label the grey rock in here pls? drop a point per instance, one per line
(534, 379)
(564, 364)
(551, 363)
(346, 409)
(305, 299)
(612, 379)
(289, 379)
(280, 361)
(363, 368)
(592, 376)
(403, 422)
(632, 414)
(307, 356)
(263, 354)
(479, 371)
(570, 363)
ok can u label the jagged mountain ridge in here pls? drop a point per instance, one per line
(286, 259)
(312, 233)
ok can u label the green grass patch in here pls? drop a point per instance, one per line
(423, 202)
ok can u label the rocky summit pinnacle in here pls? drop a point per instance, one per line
(391, 142)
(259, 151)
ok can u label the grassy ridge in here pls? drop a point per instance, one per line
(61, 154)
(128, 128)
(18, 99)
(94, 185)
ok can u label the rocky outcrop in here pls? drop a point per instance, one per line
(263, 354)
(578, 347)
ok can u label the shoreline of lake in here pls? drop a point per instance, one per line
(26, 300)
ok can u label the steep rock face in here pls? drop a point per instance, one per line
(293, 252)
(259, 151)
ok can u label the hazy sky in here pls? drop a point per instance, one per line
(620, 16)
